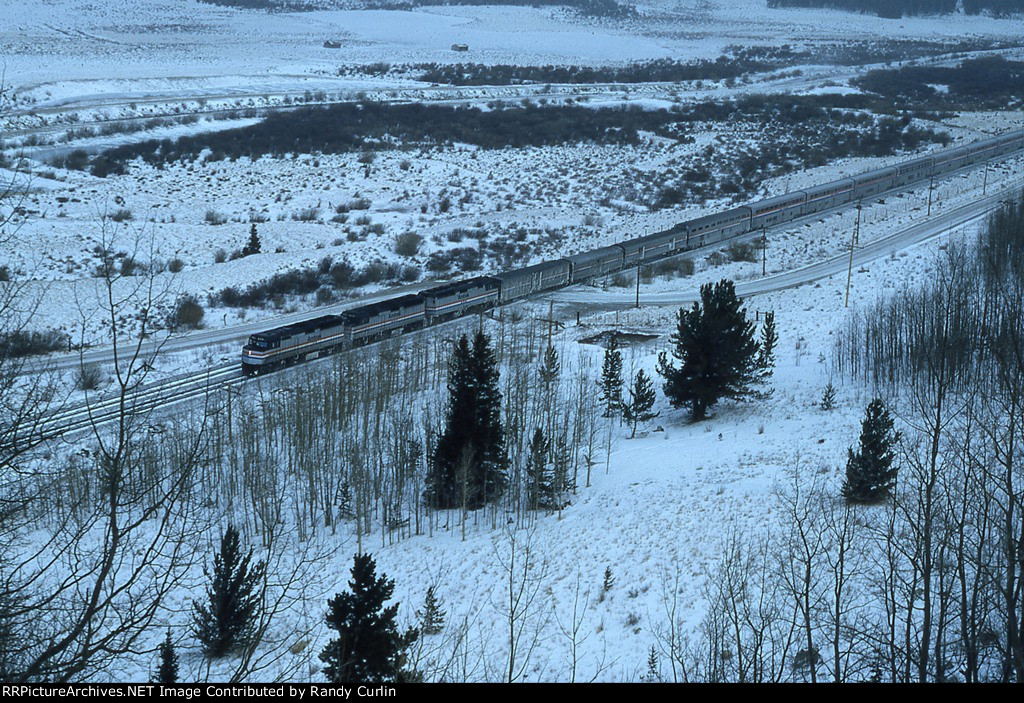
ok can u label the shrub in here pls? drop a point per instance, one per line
(324, 296)
(742, 251)
(88, 377)
(681, 266)
(21, 343)
(175, 265)
(408, 244)
(716, 258)
(129, 267)
(121, 215)
(309, 214)
(220, 256)
(215, 218)
(188, 313)
(342, 274)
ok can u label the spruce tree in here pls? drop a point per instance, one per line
(431, 618)
(870, 474)
(369, 648)
(550, 368)
(225, 621)
(472, 434)
(540, 491)
(641, 400)
(489, 479)
(611, 378)
(561, 477)
(714, 343)
(769, 339)
(168, 671)
(652, 665)
(607, 584)
(828, 397)
(442, 478)
(253, 246)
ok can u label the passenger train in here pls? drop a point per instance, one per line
(283, 346)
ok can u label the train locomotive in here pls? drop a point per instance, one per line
(309, 339)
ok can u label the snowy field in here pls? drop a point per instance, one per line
(659, 509)
(61, 50)
(657, 514)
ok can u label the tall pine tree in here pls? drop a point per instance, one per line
(226, 620)
(489, 479)
(253, 246)
(611, 378)
(870, 474)
(369, 648)
(540, 489)
(769, 339)
(641, 400)
(550, 368)
(431, 618)
(468, 462)
(714, 343)
(168, 671)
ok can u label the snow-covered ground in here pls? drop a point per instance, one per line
(57, 50)
(656, 514)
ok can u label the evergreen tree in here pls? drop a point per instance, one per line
(442, 478)
(540, 490)
(369, 648)
(828, 397)
(652, 665)
(641, 400)
(611, 378)
(550, 369)
(489, 477)
(609, 580)
(168, 671)
(473, 436)
(253, 246)
(345, 509)
(714, 343)
(870, 474)
(431, 618)
(769, 339)
(561, 459)
(225, 621)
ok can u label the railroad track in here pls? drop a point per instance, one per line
(95, 413)
(162, 394)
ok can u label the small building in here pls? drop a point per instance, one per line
(330, 44)
(460, 47)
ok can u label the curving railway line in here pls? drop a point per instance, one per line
(222, 377)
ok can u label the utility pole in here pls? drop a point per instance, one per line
(984, 183)
(849, 270)
(764, 251)
(552, 322)
(638, 285)
(931, 187)
(551, 319)
(231, 440)
(856, 226)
